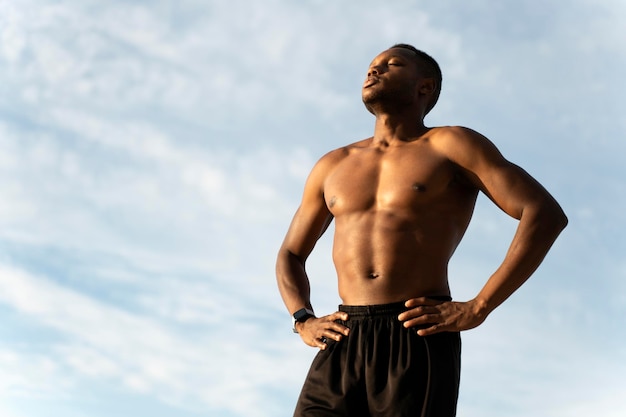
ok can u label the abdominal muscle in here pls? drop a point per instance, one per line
(379, 261)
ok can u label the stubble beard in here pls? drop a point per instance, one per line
(379, 100)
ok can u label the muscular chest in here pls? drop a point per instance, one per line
(388, 180)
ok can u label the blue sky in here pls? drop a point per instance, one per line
(152, 155)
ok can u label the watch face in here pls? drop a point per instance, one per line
(302, 313)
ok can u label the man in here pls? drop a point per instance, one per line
(402, 201)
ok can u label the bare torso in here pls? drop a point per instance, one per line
(402, 201)
(400, 211)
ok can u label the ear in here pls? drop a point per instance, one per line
(427, 86)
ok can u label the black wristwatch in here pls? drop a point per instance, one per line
(301, 316)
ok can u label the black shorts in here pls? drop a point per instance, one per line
(383, 369)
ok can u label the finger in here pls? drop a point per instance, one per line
(339, 328)
(421, 301)
(334, 331)
(331, 335)
(417, 312)
(321, 343)
(338, 315)
(437, 328)
(427, 319)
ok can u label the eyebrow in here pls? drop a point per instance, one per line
(400, 57)
(390, 57)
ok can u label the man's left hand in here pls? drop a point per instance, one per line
(432, 316)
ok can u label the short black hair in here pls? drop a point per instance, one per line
(430, 67)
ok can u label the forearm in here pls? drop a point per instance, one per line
(536, 232)
(293, 282)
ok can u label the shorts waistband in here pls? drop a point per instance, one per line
(382, 309)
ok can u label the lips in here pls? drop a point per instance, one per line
(371, 80)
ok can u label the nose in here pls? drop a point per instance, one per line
(373, 71)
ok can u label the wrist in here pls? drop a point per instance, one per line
(301, 316)
(480, 307)
(298, 327)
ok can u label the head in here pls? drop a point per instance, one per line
(399, 76)
(428, 67)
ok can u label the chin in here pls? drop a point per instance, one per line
(370, 98)
(368, 106)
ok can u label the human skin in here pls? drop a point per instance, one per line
(402, 200)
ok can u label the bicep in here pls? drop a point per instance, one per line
(506, 184)
(311, 219)
(509, 187)
(307, 226)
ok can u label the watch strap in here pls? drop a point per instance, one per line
(301, 316)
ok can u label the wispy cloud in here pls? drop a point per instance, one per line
(144, 355)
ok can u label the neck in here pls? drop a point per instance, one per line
(391, 128)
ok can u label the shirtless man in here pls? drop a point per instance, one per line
(402, 201)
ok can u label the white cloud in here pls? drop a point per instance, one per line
(136, 186)
(104, 342)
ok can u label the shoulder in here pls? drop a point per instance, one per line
(331, 159)
(335, 156)
(463, 145)
(459, 135)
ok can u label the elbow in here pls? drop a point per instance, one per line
(556, 218)
(559, 217)
(285, 255)
(282, 262)
(548, 217)
(563, 221)
(286, 261)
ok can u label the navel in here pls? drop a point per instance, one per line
(372, 275)
(419, 187)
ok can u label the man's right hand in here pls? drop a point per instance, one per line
(315, 330)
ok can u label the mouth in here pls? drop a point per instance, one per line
(370, 81)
